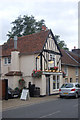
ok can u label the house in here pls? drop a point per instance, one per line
(71, 65)
(37, 51)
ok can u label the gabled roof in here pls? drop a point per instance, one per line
(69, 58)
(29, 44)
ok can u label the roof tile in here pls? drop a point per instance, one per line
(28, 44)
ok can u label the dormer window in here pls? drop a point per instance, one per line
(7, 60)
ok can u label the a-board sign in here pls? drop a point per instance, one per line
(24, 94)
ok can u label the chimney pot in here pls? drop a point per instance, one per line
(43, 27)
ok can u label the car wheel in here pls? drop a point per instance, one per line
(76, 95)
(61, 96)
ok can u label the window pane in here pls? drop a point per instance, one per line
(66, 80)
(5, 60)
(54, 82)
(67, 86)
(66, 70)
(76, 71)
(57, 85)
(54, 86)
(70, 79)
(76, 79)
(9, 60)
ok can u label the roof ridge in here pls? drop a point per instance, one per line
(34, 33)
(71, 57)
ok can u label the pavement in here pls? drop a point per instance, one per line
(16, 102)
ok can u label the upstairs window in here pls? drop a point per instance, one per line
(51, 61)
(66, 70)
(51, 57)
(7, 60)
(76, 71)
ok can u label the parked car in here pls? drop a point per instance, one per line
(70, 89)
(12, 93)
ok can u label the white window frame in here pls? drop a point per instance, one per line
(51, 59)
(77, 80)
(7, 60)
(66, 70)
(57, 80)
(76, 71)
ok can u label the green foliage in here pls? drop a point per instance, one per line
(61, 43)
(22, 83)
(24, 26)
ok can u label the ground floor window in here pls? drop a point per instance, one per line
(66, 80)
(76, 79)
(70, 80)
(56, 82)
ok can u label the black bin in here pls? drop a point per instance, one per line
(36, 92)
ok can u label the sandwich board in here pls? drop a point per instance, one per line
(25, 94)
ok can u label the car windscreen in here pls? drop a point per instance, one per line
(67, 86)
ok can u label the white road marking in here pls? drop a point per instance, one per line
(50, 114)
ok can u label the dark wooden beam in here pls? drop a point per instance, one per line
(41, 61)
(50, 51)
(36, 63)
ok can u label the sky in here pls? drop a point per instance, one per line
(61, 16)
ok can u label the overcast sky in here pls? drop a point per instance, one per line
(61, 16)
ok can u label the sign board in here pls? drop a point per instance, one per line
(24, 94)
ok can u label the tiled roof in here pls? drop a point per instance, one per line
(28, 44)
(69, 58)
(76, 51)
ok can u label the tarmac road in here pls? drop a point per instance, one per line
(59, 108)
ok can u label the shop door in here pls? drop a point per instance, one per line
(47, 85)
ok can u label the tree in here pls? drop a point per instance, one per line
(61, 43)
(25, 25)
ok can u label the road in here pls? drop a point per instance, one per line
(60, 108)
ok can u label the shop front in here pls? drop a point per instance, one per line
(53, 82)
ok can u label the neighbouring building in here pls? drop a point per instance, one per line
(71, 65)
(39, 51)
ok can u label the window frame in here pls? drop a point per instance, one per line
(56, 81)
(66, 70)
(7, 60)
(76, 71)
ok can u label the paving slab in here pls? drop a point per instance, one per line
(16, 102)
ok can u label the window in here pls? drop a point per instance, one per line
(77, 85)
(76, 79)
(7, 60)
(66, 80)
(51, 61)
(76, 71)
(66, 70)
(70, 80)
(52, 57)
(67, 85)
(56, 82)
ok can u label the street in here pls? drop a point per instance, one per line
(59, 108)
